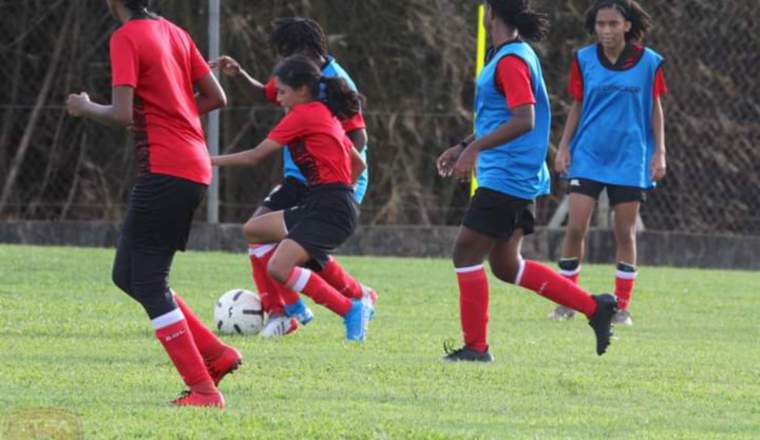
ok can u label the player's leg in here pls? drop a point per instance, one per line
(509, 266)
(470, 250)
(582, 199)
(284, 267)
(626, 203)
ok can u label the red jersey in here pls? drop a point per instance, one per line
(513, 80)
(161, 63)
(317, 143)
(628, 59)
(353, 123)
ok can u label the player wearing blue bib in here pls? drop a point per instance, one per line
(303, 36)
(508, 150)
(613, 138)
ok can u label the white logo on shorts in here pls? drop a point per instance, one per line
(575, 182)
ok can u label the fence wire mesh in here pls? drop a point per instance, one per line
(414, 60)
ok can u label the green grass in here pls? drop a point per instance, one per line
(688, 369)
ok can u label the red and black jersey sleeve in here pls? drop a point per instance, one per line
(125, 61)
(660, 88)
(290, 128)
(575, 83)
(270, 91)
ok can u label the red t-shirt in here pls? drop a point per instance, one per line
(161, 62)
(317, 142)
(575, 84)
(352, 124)
(513, 80)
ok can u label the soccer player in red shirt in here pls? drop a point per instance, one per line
(297, 35)
(156, 68)
(327, 215)
(614, 138)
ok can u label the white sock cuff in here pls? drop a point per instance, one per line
(626, 275)
(259, 250)
(520, 273)
(469, 269)
(300, 281)
(168, 319)
(570, 273)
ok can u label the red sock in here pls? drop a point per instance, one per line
(337, 277)
(549, 284)
(624, 282)
(304, 280)
(208, 344)
(473, 306)
(174, 334)
(269, 289)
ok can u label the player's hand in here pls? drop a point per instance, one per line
(466, 163)
(659, 166)
(447, 160)
(562, 160)
(228, 65)
(76, 103)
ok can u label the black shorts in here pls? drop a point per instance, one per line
(289, 194)
(325, 220)
(616, 193)
(160, 213)
(498, 215)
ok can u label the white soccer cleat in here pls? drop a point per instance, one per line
(279, 325)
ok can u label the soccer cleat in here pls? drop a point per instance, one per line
(192, 398)
(357, 320)
(622, 317)
(369, 296)
(465, 354)
(224, 364)
(561, 313)
(601, 322)
(279, 325)
(299, 311)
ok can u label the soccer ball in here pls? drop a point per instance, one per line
(239, 312)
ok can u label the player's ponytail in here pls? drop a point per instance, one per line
(340, 99)
(631, 10)
(530, 24)
(297, 71)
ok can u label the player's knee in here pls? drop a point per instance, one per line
(249, 232)
(120, 277)
(465, 256)
(506, 271)
(279, 271)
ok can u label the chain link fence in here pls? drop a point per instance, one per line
(414, 60)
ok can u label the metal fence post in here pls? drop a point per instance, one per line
(213, 117)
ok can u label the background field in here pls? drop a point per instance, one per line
(688, 369)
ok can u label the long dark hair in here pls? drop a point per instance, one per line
(631, 10)
(530, 24)
(294, 35)
(297, 71)
(139, 8)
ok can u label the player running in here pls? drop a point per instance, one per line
(296, 35)
(327, 214)
(614, 138)
(155, 68)
(508, 149)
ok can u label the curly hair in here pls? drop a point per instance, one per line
(292, 35)
(530, 24)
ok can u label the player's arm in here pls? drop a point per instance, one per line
(248, 158)
(358, 138)
(210, 95)
(562, 160)
(118, 113)
(357, 165)
(659, 164)
(252, 87)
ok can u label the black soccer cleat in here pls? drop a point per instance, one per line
(601, 322)
(465, 354)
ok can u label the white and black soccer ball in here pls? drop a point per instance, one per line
(239, 312)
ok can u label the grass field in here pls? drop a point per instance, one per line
(688, 369)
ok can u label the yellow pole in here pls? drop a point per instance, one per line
(479, 63)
